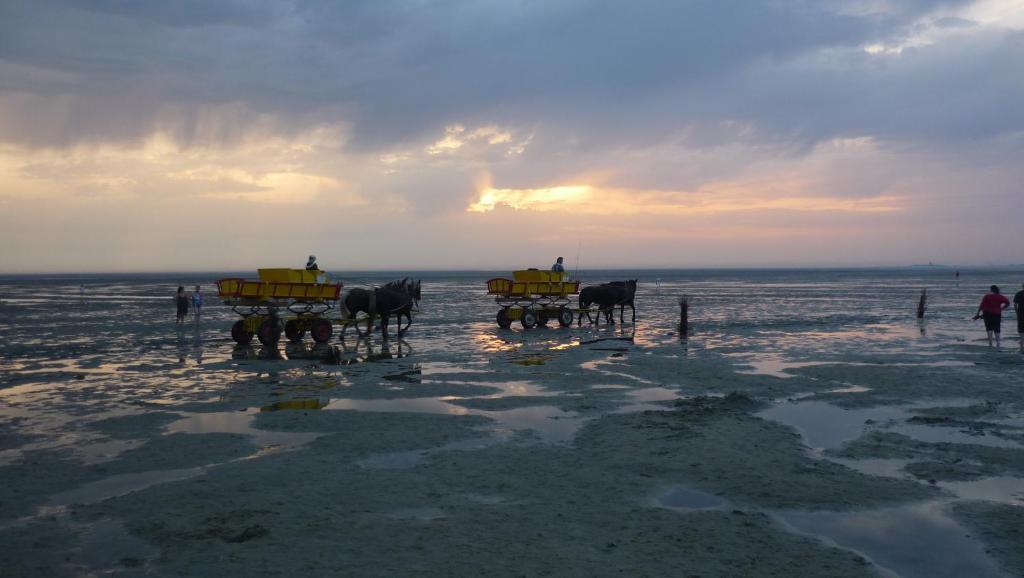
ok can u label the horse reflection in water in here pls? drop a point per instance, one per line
(363, 350)
(607, 296)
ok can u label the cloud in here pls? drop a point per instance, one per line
(713, 112)
(396, 71)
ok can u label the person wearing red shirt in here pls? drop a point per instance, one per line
(991, 310)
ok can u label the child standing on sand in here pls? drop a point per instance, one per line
(181, 301)
(197, 302)
(991, 310)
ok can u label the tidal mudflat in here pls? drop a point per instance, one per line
(808, 425)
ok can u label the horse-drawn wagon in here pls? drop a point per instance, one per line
(533, 298)
(300, 301)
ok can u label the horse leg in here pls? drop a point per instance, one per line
(633, 309)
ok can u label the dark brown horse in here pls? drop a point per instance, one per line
(607, 296)
(396, 298)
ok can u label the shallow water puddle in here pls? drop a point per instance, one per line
(646, 399)
(1004, 489)
(412, 405)
(240, 422)
(121, 485)
(916, 540)
(683, 499)
(847, 388)
(885, 467)
(443, 367)
(826, 426)
(509, 388)
(598, 365)
(552, 424)
(777, 367)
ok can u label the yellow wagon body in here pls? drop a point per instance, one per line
(280, 285)
(532, 282)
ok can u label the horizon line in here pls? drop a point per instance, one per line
(1008, 266)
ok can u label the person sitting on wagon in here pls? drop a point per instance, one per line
(311, 264)
(558, 267)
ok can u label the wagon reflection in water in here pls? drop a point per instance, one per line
(359, 350)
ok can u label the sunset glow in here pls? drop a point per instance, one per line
(389, 150)
(588, 200)
(549, 199)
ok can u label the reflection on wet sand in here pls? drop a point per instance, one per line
(915, 540)
(346, 353)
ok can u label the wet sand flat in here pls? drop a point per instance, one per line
(818, 430)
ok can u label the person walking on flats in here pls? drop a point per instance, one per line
(181, 302)
(197, 302)
(1018, 306)
(558, 267)
(311, 264)
(991, 310)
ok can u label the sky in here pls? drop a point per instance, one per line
(487, 134)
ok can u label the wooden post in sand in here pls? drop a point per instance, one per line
(922, 303)
(684, 316)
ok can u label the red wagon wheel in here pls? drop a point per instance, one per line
(240, 334)
(504, 321)
(293, 330)
(269, 332)
(321, 330)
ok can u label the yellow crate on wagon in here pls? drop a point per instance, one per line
(538, 276)
(291, 276)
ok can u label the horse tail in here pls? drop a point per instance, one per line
(343, 306)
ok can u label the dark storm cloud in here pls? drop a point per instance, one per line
(608, 73)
